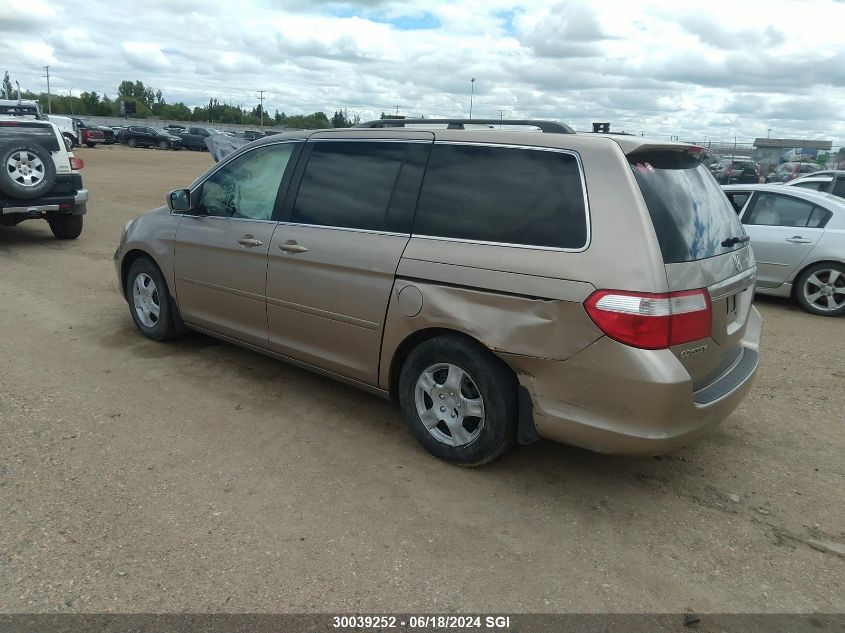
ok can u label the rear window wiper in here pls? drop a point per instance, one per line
(733, 241)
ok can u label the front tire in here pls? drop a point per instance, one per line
(66, 227)
(132, 142)
(149, 300)
(90, 144)
(459, 400)
(164, 145)
(821, 289)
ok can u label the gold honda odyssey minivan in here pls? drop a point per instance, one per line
(499, 285)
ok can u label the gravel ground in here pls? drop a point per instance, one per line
(197, 476)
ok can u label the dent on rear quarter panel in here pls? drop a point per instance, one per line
(504, 323)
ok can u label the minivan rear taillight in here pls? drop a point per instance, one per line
(76, 163)
(650, 320)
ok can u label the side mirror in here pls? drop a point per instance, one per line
(179, 200)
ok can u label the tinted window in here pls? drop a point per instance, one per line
(353, 184)
(690, 213)
(497, 194)
(743, 164)
(839, 187)
(247, 186)
(738, 200)
(770, 209)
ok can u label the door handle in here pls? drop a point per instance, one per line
(249, 241)
(797, 239)
(292, 247)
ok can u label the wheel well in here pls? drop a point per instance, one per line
(804, 269)
(130, 258)
(418, 338)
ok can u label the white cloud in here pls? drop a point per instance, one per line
(715, 68)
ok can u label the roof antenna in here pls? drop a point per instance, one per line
(19, 90)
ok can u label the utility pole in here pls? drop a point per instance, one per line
(501, 116)
(471, 94)
(70, 94)
(261, 99)
(49, 101)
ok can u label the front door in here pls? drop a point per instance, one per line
(332, 263)
(221, 246)
(783, 230)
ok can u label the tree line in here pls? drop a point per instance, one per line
(150, 102)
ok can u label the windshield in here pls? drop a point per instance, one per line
(691, 214)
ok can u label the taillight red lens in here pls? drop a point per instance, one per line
(650, 320)
(76, 163)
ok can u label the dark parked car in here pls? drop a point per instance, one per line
(788, 171)
(736, 170)
(251, 135)
(108, 134)
(142, 136)
(194, 137)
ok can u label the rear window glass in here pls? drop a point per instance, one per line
(690, 213)
(743, 164)
(503, 195)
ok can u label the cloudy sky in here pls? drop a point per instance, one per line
(699, 70)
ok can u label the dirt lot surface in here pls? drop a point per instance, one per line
(198, 476)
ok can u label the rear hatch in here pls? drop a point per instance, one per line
(704, 247)
(744, 171)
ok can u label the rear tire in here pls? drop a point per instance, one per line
(149, 300)
(132, 142)
(459, 400)
(66, 227)
(820, 289)
(70, 142)
(90, 144)
(27, 170)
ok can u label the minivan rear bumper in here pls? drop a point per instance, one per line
(613, 398)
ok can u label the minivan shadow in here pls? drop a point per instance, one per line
(543, 462)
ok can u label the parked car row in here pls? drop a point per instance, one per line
(789, 171)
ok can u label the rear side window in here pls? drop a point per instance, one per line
(815, 186)
(690, 213)
(503, 195)
(361, 184)
(839, 187)
(771, 209)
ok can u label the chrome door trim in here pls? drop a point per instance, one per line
(344, 228)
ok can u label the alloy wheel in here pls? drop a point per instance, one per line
(449, 404)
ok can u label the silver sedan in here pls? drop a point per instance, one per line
(798, 238)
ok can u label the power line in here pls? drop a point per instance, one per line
(261, 99)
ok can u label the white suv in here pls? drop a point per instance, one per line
(40, 178)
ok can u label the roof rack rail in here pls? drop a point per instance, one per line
(550, 127)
